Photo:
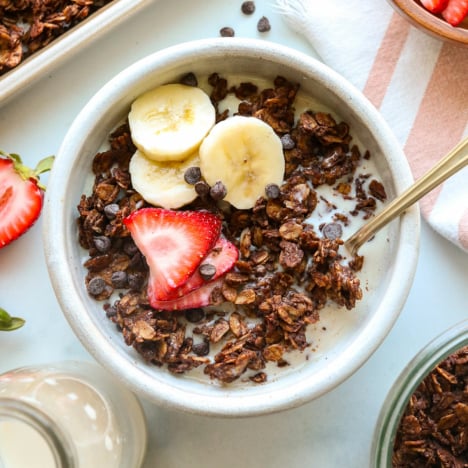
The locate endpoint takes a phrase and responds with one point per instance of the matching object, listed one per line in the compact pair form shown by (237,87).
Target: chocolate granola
(27,26)
(287,271)
(433,431)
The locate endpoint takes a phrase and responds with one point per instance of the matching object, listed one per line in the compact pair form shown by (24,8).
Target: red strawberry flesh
(200,297)
(20,202)
(455,12)
(434,6)
(223,256)
(173,243)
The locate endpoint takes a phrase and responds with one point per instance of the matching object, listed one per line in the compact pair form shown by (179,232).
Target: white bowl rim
(124,368)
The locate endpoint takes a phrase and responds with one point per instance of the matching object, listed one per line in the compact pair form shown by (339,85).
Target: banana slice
(169,122)
(162,183)
(246,155)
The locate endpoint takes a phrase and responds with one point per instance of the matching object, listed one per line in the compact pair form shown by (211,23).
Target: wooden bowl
(431,23)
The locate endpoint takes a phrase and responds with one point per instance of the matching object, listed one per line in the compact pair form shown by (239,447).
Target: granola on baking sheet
(27,26)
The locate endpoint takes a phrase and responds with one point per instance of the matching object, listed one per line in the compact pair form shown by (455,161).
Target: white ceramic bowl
(352,335)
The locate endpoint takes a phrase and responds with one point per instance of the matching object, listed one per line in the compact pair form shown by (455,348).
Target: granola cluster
(288,269)
(433,431)
(27,26)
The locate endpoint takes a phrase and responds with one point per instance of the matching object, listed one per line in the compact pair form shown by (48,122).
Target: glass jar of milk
(69,415)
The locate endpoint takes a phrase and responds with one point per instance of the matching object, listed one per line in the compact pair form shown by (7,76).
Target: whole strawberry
(21,195)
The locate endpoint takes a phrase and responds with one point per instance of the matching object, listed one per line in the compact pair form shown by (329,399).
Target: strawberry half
(201,297)
(173,243)
(434,6)
(223,256)
(21,195)
(455,12)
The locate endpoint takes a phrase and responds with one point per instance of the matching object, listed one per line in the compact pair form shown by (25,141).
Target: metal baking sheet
(62,48)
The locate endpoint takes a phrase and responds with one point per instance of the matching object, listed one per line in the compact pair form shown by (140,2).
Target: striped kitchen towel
(418,83)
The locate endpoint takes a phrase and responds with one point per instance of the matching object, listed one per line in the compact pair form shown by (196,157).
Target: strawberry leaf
(9,323)
(44,165)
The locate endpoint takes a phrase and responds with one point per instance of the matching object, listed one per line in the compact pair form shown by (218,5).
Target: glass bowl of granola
(194,225)
(424,417)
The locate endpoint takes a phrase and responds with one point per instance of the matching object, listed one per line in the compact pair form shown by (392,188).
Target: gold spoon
(455,160)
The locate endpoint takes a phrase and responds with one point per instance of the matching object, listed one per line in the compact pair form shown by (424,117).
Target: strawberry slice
(200,297)
(173,243)
(455,12)
(21,195)
(223,256)
(434,6)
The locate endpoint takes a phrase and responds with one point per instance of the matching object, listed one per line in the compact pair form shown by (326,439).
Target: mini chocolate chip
(248,7)
(189,79)
(111,311)
(96,286)
(207,271)
(202,188)
(332,231)
(137,261)
(111,210)
(192,175)
(263,24)
(135,281)
(272,191)
(218,191)
(201,349)
(194,315)
(227,32)
(119,279)
(130,248)
(287,142)
(102,243)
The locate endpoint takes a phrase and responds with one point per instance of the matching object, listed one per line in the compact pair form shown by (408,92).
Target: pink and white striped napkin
(418,83)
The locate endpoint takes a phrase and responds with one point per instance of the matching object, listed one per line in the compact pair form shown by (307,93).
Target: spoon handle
(455,160)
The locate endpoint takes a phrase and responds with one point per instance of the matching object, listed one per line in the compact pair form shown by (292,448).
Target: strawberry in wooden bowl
(443,19)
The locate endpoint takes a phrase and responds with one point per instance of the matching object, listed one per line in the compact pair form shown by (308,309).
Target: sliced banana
(169,122)
(246,155)
(162,183)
